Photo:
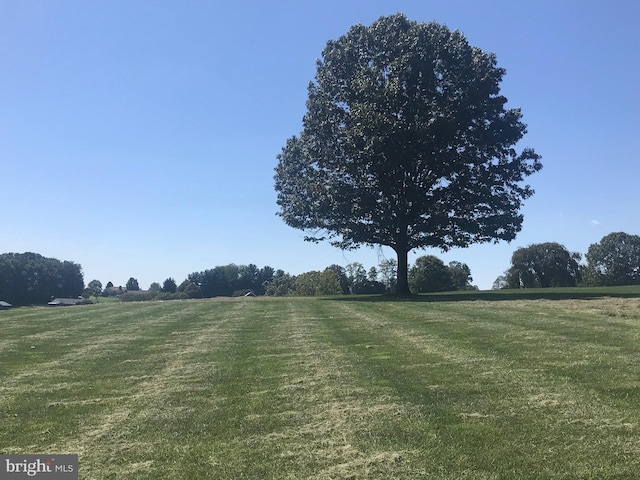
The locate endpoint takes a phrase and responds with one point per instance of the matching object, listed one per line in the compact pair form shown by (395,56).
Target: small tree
(460,275)
(169,286)
(94,288)
(357,276)
(372,274)
(132,284)
(387,269)
(500,283)
(342,275)
(155,287)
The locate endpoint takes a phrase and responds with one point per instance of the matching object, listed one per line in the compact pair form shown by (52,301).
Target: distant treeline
(29,278)
(613,261)
(238,280)
(429,274)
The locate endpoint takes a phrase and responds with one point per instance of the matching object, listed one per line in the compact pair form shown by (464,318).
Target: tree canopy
(94,287)
(543,265)
(224,280)
(406,143)
(430,274)
(169,286)
(615,260)
(29,278)
(326,282)
(132,284)
(460,275)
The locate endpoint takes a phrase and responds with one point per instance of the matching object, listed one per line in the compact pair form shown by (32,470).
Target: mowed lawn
(442,387)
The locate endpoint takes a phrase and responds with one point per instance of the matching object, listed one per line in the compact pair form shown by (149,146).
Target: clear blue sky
(139,138)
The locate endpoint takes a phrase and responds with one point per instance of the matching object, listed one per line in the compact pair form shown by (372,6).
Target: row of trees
(428,274)
(29,278)
(615,260)
(228,280)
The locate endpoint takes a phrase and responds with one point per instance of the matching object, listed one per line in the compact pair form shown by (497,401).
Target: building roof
(65,301)
(5,304)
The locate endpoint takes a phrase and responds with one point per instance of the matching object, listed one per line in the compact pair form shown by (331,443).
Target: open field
(545,386)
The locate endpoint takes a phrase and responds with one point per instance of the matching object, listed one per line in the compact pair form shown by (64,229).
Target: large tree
(615,260)
(406,143)
(543,265)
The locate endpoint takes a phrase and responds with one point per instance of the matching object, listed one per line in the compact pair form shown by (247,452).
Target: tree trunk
(402,287)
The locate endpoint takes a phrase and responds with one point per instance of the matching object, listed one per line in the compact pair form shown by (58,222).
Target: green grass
(491,385)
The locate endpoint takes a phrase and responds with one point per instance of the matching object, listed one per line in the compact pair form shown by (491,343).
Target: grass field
(473,386)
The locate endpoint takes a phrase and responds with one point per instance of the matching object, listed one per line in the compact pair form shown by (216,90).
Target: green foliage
(407,143)
(222,281)
(70,278)
(169,286)
(327,282)
(430,274)
(342,275)
(132,285)
(282,284)
(500,283)
(543,265)
(193,291)
(361,282)
(317,283)
(155,287)
(138,296)
(94,288)
(460,275)
(172,296)
(29,278)
(387,270)
(111,291)
(615,260)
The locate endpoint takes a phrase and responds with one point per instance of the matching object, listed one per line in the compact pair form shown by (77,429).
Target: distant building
(113,291)
(136,292)
(5,305)
(65,302)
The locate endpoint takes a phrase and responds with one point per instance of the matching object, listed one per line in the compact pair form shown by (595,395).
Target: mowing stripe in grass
(296,416)
(147,433)
(469,380)
(327,388)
